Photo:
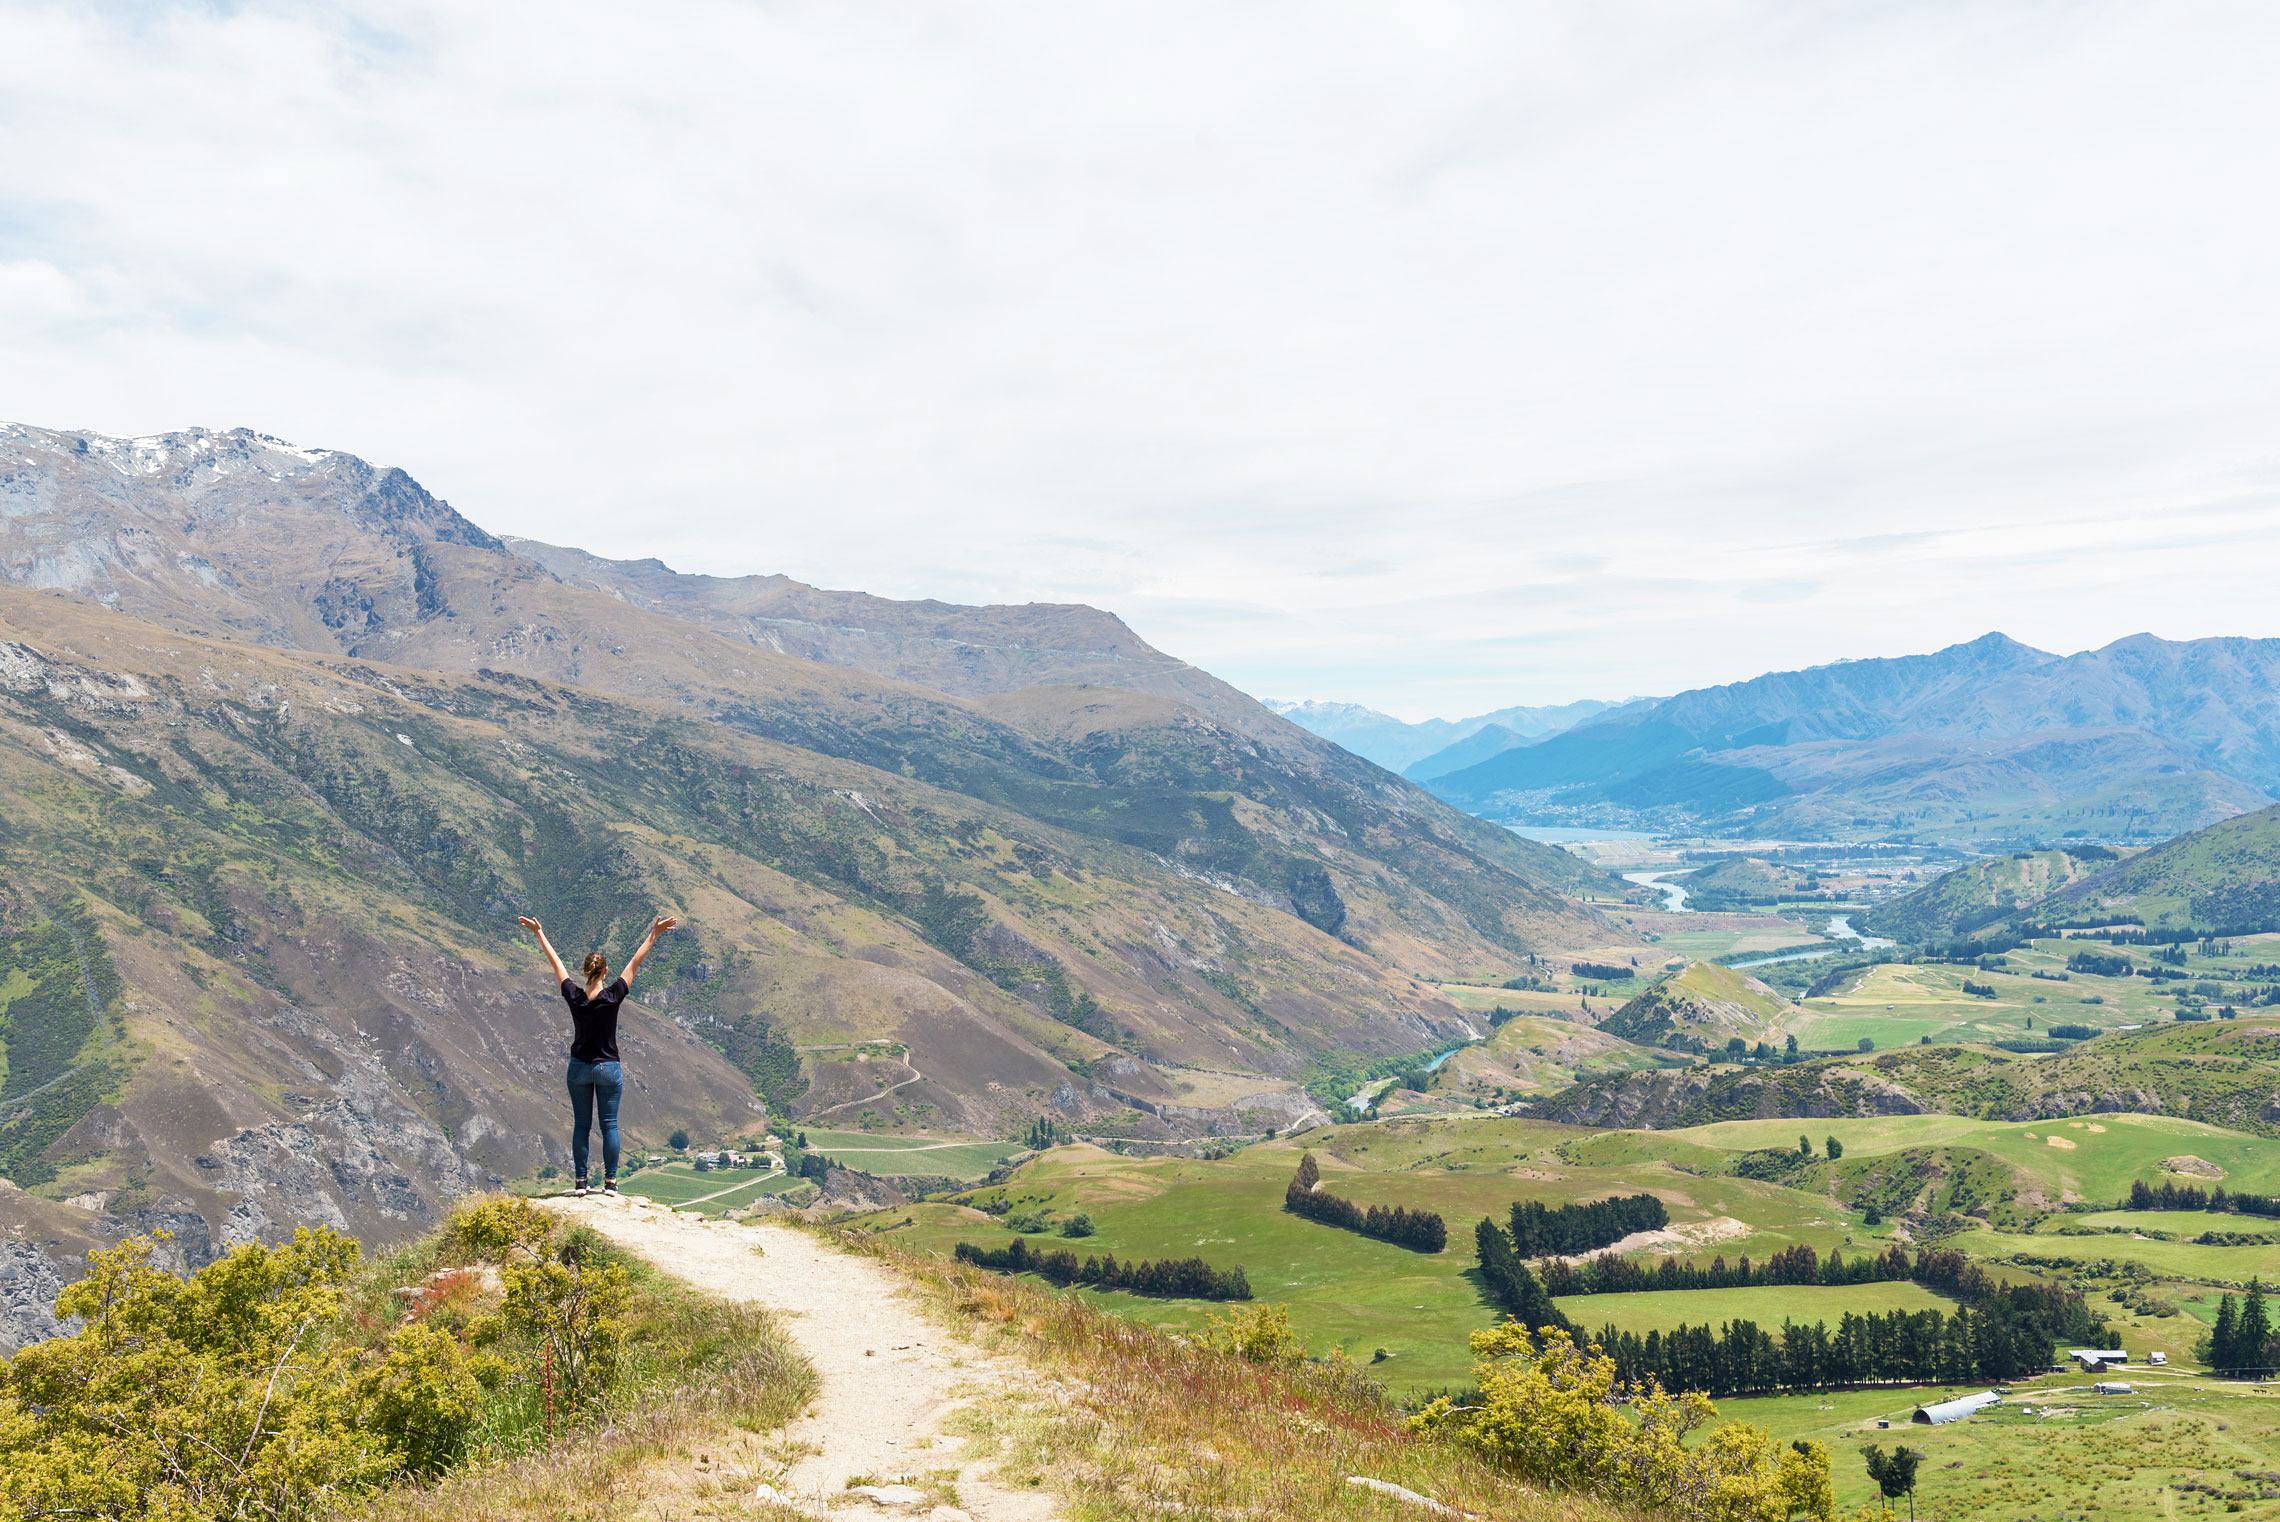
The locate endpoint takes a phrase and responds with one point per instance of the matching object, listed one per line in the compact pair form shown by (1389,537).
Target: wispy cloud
(1438,356)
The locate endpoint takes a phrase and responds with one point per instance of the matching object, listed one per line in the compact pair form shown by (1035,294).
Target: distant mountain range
(286,742)
(1989,743)
(1426,750)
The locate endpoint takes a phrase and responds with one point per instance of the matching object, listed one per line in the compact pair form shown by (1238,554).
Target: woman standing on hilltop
(597,1079)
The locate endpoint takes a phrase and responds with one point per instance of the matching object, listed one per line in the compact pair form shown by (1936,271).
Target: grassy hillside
(1982,893)
(1701,1008)
(2223,880)
(1740,882)
(1538,1054)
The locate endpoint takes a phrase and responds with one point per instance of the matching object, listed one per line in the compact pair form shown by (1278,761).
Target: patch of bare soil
(1685,1236)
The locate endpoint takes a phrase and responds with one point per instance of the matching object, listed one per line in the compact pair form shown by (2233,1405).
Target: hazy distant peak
(1313,711)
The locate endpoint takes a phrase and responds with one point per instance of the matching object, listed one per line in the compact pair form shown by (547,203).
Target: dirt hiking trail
(888,1376)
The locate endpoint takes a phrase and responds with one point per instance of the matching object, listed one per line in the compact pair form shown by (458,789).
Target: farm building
(1954,1410)
(2098,1360)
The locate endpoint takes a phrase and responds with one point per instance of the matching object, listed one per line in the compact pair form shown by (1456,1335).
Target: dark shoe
(609,1187)
(581,1191)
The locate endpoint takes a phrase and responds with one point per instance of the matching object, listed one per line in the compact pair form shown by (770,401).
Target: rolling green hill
(2222,880)
(1983,893)
(1741,882)
(1539,1054)
(1701,1008)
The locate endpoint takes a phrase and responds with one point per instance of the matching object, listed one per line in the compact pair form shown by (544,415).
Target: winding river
(1674,896)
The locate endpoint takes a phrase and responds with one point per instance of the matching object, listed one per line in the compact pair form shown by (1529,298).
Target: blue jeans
(592,1083)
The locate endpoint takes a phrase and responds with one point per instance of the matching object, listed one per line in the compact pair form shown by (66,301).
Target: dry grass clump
(1131,1422)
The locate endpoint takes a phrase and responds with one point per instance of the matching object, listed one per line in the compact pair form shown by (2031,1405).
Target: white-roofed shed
(1954,1410)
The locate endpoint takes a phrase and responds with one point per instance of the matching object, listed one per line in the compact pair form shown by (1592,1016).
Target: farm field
(2180,1223)
(2112,1458)
(1737,934)
(874,1152)
(1345,1289)
(1769,1305)
(2094,1156)
(2178,1260)
(1895,1004)
(1350,1291)
(677,1184)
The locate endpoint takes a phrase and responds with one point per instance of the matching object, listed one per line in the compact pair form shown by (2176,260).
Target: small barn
(1954,1410)
(2098,1360)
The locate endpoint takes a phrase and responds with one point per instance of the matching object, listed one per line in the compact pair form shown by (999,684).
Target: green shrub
(1079,1225)
(1030,1221)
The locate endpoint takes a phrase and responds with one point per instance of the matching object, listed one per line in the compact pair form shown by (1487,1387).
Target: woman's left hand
(664,923)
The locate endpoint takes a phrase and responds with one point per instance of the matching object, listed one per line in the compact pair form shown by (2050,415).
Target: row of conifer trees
(1614,1274)
(2172,1195)
(1181,1278)
(1420,1230)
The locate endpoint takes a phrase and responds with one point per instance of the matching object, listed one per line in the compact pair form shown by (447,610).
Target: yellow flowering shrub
(1553,1413)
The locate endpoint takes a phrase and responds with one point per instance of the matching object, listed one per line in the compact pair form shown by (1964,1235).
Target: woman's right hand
(526,922)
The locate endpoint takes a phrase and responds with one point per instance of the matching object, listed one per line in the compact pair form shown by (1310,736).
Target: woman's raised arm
(561,973)
(664,923)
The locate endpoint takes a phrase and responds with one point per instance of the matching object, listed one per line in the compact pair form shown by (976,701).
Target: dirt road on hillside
(889,1376)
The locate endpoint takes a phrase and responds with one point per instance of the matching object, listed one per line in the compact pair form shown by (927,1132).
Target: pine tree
(1308,1174)
(2224,1337)
(2255,1330)
(1895,1475)
(1804,1146)
(1836,1149)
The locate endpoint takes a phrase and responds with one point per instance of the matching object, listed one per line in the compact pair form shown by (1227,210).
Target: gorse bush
(282,1383)
(1260,1334)
(1556,1414)
(229,1395)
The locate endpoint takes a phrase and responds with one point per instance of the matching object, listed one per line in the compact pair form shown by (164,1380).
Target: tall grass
(1133,1423)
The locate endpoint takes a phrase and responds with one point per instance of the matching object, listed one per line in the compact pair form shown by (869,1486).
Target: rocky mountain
(2226,1074)
(287,742)
(1426,749)
(966,651)
(1981,743)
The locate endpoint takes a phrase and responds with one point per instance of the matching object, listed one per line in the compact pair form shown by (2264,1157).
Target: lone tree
(1804,1146)
(1894,1473)
(1836,1149)
(678,1141)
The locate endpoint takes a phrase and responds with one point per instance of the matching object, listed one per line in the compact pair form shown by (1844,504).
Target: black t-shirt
(594,1020)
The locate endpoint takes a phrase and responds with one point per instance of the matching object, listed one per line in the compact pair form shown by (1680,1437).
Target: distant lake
(1560,834)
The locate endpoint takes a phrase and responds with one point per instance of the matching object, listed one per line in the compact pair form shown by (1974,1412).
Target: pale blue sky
(1435,357)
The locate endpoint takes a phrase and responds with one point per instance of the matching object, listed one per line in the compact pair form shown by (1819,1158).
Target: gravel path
(888,1375)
